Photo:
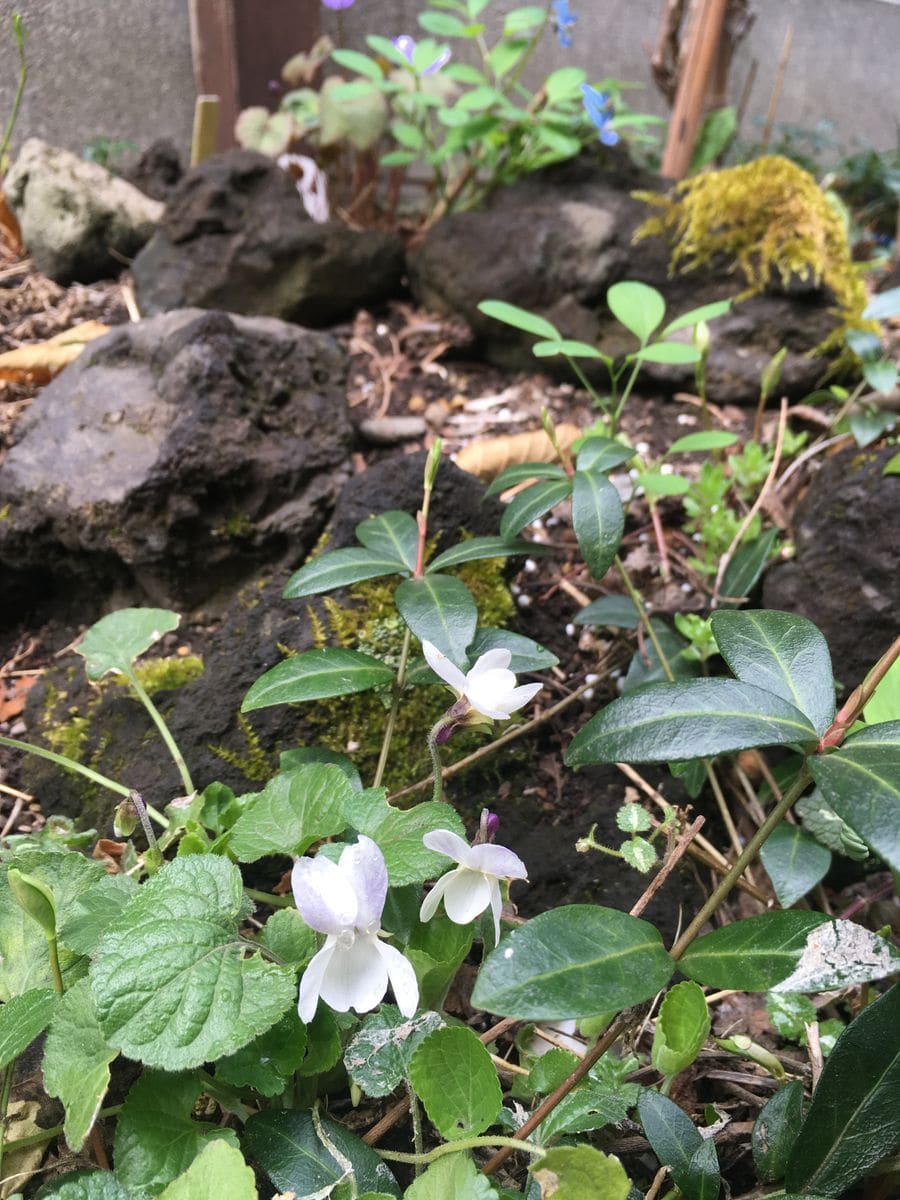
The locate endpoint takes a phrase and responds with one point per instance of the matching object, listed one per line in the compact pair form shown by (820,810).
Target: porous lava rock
(236,236)
(175,456)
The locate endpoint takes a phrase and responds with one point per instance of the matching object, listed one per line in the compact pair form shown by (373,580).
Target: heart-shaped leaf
(115,641)
(294,809)
(455,1079)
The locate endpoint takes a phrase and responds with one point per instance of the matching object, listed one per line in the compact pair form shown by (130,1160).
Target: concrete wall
(122,68)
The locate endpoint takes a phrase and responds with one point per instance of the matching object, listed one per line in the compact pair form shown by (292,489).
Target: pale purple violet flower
(599,109)
(475,883)
(345,900)
(407,47)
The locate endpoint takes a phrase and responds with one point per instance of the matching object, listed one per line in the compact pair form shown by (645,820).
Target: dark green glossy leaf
(598,518)
(317,675)
(854,1118)
(749,562)
(677,1144)
(527,655)
(751,955)
(775,1131)
(795,862)
(531,503)
(602,454)
(484,547)
(439,609)
(340,568)
(522,472)
(575,961)
(861,782)
(286,1145)
(617,611)
(694,718)
(392,534)
(519,318)
(455,1079)
(781,653)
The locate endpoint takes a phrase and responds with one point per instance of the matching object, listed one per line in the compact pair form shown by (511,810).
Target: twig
(754,508)
(678,852)
(10,821)
(776,87)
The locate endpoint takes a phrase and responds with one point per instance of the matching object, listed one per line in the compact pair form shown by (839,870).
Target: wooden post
(697,63)
(238,46)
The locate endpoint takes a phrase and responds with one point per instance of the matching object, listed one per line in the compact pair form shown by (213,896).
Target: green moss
(166,674)
(255,763)
(235,525)
(767,217)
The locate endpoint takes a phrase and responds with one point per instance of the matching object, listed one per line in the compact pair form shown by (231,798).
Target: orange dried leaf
(10,233)
(41,361)
(488,458)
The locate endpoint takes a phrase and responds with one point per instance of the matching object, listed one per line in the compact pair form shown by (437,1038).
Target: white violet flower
(488,689)
(475,883)
(345,900)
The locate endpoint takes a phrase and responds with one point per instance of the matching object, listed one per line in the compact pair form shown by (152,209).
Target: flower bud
(34,898)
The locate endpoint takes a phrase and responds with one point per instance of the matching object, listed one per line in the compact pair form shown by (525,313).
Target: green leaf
(286,1145)
(519,473)
(677,1144)
(386,48)
(694,718)
(399,834)
(442,24)
(775,1131)
(85,1185)
(436,948)
(392,534)
(455,1079)
(378,1056)
(340,568)
(439,609)
(504,56)
(868,424)
(483,547)
(749,562)
(531,503)
(646,666)
(839,954)
(302,756)
(598,519)
(94,911)
(892,466)
(171,982)
(288,936)
(317,675)
(716,132)
(782,653)
(709,439)
(269,1061)
(21,1020)
(854,1118)
(360,63)
(861,782)
(637,306)
(453,1177)
(602,454)
(681,1028)
(658,484)
(640,854)
(881,375)
(519,318)
(574,961)
(795,862)
(633,818)
(616,611)
(76,1062)
(751,955)
(156,1139)
(581,1173)
(527,655)
(293,810)
(114,642)
(568,347)
(591,1105)
(706,312)
(884,305)
(34,898)
(668,352)
(564,84)
(885,704)
(323,1044)
(217,1173)
(522,20)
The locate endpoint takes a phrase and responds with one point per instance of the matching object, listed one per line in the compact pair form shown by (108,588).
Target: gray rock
(175,456)
(564,236)
(157,171)
(235,236)
(79,222)
(845,575)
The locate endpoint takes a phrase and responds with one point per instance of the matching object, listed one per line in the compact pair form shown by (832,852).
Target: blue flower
(598,108)
(407,47)
(564,19)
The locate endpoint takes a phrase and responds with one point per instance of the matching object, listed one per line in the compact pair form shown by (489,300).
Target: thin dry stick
(745,524)
(776,87)
(10,821)
(678,851)
(725,812)
(656,1186)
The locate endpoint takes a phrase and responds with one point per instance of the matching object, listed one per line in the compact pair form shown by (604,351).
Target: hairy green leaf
(455,1079)
(294,809)
(21,1020)
(76,1062)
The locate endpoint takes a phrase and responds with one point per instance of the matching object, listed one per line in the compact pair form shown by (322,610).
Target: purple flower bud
(338,4)
(491,824)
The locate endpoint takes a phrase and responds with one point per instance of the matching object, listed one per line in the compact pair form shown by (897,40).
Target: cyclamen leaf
(22,1018)
(76,1062)
(156,1138)
(294,809)
(598,518)
(439,609)
(115,641)
(317,675)
(694,718)
(171,985)
(455,1079)
(217,1173)
(781,653)
(752,955)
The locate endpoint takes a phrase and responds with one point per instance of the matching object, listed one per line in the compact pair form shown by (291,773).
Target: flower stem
(268,898)
(473,1143)
(438,789)
(399,683)
(53,950)
(415,1112)
(164,733)
(68,763)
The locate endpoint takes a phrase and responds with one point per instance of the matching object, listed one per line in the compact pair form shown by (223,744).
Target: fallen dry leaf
(19,1165)
(38,363)
(10,234)
(13,704)
(488,458)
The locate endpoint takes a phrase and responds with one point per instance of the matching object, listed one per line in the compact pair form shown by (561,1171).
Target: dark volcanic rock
(562,237)
(176,456)
(236,236)
(157,171)
(846,573)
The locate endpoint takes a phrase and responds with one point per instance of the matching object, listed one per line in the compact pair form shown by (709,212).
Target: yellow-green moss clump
(769,217)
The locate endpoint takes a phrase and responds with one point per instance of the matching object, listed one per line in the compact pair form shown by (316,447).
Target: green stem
(19,34)
(473,1143)
(68,763)
(164,733)
(268,898)
(58,985)
(588,387)
(4,1104)
(438,789)
(399,683)
(623,399)
(743,860)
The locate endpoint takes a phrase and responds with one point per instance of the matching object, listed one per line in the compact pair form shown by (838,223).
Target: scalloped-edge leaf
(452,1073)
(317,675)
(22,1019)
(76,1062)
(294,809)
